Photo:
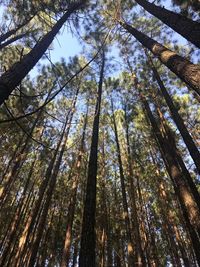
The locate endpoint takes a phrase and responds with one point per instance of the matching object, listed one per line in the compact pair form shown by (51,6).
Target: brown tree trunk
(51,187)
(72,204)
(104,223)
(140,258)
(166,131)
(18,146)
(186,200)
(88,236)
(184,69)
(17,218)
(124,197)
(186,27)
(13,77)
(10,177)
(177,119)
(163,199)
(23,242)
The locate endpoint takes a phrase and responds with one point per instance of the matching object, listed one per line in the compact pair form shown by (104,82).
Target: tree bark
(188,28)
(17,218)
(51,187)
(183,68)
(177,119)
(23,242)
(168,136)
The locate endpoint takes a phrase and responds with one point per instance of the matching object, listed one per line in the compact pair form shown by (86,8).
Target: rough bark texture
(183,68)
(186,27)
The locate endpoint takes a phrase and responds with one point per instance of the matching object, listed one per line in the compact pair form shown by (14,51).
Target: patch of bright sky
(66,45)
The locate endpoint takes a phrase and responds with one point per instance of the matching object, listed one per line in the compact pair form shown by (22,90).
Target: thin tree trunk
(22,154)
(17,218)
(8,165)
(72,204)
(142,222)
(32,217)
(184,69)
(163,199)
(140,258)
(124,197)
(186,27)
(13,77)
(50,189)
(88,237)
(104,226)
(177,119)
(6,35)
(14,39)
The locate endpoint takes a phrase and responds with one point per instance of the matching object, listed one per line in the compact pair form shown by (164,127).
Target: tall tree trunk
(11,176)
(186,200)
(72,204)
(142,221)
(13,77)
(18,146)
(50,189)
(163,200)
(124,197)
(17,218)
(140,258)
(88,236)
(186,27)
(167,134)
(104,223)
(23,242)
(184,69)
(177,119)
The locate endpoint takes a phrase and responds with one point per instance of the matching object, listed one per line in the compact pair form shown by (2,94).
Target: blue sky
(66,45)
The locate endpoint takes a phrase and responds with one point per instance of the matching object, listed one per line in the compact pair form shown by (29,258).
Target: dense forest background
(99,159)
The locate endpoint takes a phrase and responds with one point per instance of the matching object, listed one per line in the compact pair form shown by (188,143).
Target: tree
(95,177)
(88,240)
(184,26)
(184,69)
(13,77)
